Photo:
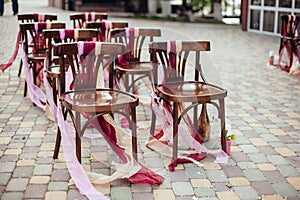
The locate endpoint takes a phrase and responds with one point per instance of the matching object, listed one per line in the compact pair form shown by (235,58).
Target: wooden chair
(289,39)
(86,97)
(105,27)
(135,42)
(30,18)
(79,19)
(56,36)
(177,89)
(35,45)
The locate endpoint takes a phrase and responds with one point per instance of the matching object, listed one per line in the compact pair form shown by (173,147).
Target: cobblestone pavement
(262,107)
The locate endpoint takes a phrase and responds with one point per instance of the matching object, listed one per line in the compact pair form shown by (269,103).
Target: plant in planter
(229,137)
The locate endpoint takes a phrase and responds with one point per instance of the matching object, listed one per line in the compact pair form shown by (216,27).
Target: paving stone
(195,172)
(74,194)
(263,188)
(247,148)
(103,188)
(254,175)
(163,194)
(227,195)
(247,165)
(24,163)
(216,175)
(239,157)
(277,160)
(17,184)
(60,175)
(12,195)
(295,182)
(56,195)
(204,192)
(7,166)
(116,191)
(285,189)
(178,175)
(182,188)
(200,183)
(55,186)
(42,170)
(39,180)
(287,170)
(4,178)
(284,151)
(137,188)
(233,171)
(24,172)
(266,167)
(274,176)
(258,158)
(238,181)
(246,192)
(272,197)
(267,150)
(35,191)
(144,196)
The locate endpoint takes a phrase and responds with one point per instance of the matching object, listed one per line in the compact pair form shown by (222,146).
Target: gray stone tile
(12,195)
(41,170)
(263,188)
(74,194)
(258,158)
(287,170)
(22,172)
(233,171)
(216,175)
(141,188)
(7,166)
(144,196)
(285,190)
(274,176)
(248,148)
(277,160)
(195,172)
(17,184)
(178,175)
(182,188)
(35,191)
(4,178)
(204,192)
(246,192)
(254,175)
(247,165)
(116,191)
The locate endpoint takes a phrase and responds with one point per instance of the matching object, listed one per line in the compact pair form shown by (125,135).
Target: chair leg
(25,89)
(153,122)
(134,135)
(57,144)
(195,119)
(175,134)
(222,117)
(20,68)
(78,139)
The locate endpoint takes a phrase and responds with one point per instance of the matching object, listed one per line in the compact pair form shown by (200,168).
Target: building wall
(264,15)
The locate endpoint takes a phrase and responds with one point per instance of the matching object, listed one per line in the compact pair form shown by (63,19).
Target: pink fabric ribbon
(5,66)
(66,34)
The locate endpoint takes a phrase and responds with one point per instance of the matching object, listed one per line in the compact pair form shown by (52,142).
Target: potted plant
(229,137)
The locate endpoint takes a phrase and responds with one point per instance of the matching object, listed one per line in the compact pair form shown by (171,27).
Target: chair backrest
(86,60)
(289,25)
(174,57)
(79,19)
(33,34)
(54,36)
(105,27)
(36,17)
(134,40)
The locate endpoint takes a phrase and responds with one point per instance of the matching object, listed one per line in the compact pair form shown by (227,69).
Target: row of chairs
(62,53)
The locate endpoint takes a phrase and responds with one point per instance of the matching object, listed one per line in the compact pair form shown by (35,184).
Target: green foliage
(198,5)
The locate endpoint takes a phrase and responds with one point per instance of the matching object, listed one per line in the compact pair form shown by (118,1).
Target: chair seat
(37,56)
(99,100)
(136,68)
(53,71)
(190,91)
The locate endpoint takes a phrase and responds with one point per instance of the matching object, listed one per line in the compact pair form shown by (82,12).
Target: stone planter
(152,6)
(166,8)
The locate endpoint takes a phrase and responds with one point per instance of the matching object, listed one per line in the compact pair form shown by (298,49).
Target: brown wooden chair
(55,36)
(136,42)
(289,40)
(85,96)
(79,19)
(105,27)
(178,89)
(30,18)
(35,45)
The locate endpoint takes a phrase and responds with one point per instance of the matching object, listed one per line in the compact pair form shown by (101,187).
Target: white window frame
(276,9)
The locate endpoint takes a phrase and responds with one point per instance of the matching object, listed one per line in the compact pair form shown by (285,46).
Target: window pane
(255,2)
(269,2)
(297,4)
(268,21)
(285,3)
(254,19)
